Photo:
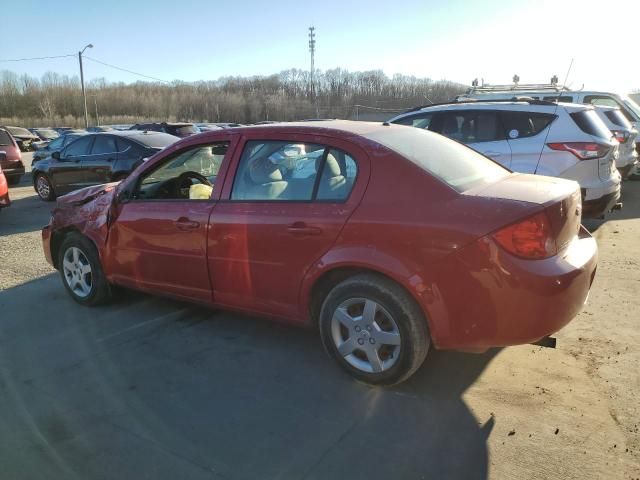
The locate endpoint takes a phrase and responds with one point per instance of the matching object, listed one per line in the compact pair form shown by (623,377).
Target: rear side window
(458,166)
(5,139)
(422,120)
(79,147)
(472,126)
(617,118)
(525,124)
(589,122)
(287,171)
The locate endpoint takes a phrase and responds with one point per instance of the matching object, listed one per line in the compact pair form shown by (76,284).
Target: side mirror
(55,155)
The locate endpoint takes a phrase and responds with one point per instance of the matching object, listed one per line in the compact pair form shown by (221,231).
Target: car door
(98,163)
(158,240)
(283,208)
(66,173)
(526,132)
(478,129)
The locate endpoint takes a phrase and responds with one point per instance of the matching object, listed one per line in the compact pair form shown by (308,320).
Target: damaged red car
(390,240)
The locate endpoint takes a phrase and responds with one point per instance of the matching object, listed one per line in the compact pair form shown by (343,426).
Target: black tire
(395,302)
(100,290)
(47,195)
(13,181)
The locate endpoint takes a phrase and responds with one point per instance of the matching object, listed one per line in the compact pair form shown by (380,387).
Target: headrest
(331,168)
(262,170)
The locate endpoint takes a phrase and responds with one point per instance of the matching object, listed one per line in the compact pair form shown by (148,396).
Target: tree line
(56,99)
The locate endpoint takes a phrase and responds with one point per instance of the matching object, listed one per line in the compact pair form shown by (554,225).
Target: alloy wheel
(366,335)
(43,188)
(77,272)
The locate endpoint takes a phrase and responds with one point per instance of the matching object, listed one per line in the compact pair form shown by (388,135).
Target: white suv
(559,140)
(554,92)
(626,136)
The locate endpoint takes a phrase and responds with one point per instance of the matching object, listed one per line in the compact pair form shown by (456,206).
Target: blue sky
(452,39)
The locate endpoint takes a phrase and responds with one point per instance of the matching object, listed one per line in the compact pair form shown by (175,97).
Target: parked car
(63,130)
(22,136)
(11,161)
(205,127)
(5,201)
(45,134)
(626,136)
(100,128)
(554,92)
(376,246)
(560,140)
(54,146)
(95,158)
(121,126)
(177,129)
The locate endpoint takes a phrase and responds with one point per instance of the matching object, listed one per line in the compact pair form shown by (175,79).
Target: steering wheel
(184,182)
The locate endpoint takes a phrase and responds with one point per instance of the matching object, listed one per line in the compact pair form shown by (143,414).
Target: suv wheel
(374,329)
(81,271)
(44,189)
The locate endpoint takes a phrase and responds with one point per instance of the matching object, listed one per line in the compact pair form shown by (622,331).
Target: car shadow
(197,393)
(26,214)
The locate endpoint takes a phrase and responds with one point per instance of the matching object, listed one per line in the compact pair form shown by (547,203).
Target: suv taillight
(582,150)
(529,238)
(621,136)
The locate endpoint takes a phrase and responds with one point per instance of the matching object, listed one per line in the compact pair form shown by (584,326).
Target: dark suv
(95,158)
(177,129)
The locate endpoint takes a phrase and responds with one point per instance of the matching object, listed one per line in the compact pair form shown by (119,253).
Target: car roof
(328,127)
(499,105)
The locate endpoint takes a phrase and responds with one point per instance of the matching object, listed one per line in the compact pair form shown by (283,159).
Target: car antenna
(555,110)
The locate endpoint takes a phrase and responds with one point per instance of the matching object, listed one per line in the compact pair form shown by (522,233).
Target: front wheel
(44,189)
(81,271)
(374,329)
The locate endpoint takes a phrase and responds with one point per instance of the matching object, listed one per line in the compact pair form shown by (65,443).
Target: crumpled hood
(85,195)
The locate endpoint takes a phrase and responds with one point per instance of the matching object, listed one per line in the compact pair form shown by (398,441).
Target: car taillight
(529,238)
(621,137)
(582,150)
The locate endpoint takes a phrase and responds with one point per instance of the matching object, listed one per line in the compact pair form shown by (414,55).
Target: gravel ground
(520,412)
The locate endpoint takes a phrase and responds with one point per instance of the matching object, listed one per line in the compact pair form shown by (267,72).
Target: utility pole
(84,96)
(312,50)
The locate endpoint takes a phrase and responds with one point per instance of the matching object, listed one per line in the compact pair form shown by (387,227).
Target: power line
(125,70)
(36,58)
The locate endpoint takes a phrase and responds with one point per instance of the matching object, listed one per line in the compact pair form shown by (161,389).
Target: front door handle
(184,224)
(301,228)
(493,154)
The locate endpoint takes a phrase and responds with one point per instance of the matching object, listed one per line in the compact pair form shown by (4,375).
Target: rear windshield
(5,139)
(617,118)
(590,123)
(187,130)
(455,164)
(155,140)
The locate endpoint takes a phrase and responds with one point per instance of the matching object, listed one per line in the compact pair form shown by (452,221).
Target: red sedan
(390,239)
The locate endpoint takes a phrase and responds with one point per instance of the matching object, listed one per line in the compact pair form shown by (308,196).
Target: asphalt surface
(152,388)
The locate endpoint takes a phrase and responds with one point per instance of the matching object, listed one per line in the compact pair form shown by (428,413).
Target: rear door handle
(184,224)
(301,228)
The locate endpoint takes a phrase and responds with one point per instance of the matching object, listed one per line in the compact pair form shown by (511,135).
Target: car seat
(265,181)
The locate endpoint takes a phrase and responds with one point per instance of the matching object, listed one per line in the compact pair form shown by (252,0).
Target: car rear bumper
(598,207)
(627,169)
(493,299)
(46,244)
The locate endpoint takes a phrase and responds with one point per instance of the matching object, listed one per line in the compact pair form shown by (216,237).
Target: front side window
(422,120)
(56,144)
(5,139)
(472,126)
(287,171)
(188,175)
(79,147)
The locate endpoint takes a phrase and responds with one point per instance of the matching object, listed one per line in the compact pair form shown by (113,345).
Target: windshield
(633,106)
(455,164)
(48,134)
(20,132)
(187,130)
(5,139)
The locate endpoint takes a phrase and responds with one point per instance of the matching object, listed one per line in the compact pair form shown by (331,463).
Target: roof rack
(555,87)
(530,101)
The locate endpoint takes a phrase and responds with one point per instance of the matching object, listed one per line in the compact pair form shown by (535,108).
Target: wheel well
(56,241)
(330,279)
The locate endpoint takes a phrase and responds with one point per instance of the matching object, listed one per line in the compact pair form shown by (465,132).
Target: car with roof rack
(557,92)
(534,136)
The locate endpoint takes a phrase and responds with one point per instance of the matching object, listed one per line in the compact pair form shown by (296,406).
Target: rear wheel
(82,272)
(44,189)
(374,329)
